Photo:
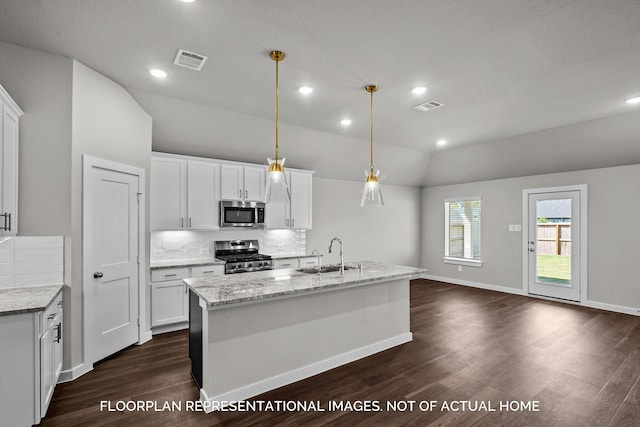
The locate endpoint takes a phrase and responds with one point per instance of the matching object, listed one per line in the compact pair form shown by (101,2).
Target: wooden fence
(554,238)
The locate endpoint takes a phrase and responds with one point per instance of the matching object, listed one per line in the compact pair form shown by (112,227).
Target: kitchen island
(254,332)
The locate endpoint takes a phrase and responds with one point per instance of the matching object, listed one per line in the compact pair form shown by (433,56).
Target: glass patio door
(553,244)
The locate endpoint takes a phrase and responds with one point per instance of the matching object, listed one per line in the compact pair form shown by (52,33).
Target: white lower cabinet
(170,296)
(31,365)
(285,263)
(308,262)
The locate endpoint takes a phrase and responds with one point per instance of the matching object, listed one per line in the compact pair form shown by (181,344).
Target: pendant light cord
(277,111)
(371,133)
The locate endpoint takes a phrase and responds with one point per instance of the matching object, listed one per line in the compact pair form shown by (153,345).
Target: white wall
(388,234)
(69,110)
(612,231)
(108,124)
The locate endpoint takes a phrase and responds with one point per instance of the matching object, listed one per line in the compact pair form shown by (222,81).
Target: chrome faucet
(317,252)
(341,257)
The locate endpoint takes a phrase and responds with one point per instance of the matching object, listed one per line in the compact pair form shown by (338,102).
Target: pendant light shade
(277,188)
(371,194)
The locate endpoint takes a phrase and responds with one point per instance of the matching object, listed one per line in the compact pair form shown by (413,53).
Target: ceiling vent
(192,60)
(428,106)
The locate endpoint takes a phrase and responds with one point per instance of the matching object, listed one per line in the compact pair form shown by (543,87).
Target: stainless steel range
(241,256)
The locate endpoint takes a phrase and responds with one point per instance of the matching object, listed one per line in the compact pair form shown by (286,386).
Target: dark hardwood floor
(582,366)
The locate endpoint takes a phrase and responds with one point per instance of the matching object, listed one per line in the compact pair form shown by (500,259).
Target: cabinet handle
(293,221)
(170,275)
(240,194)
(210,271)
(246,194)
(7,222)
(286,221)
(59,332)
(181,222)
(286,265)
(189,222)
(185,289)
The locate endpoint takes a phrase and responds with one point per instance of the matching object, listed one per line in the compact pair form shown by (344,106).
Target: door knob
(97,275)
(532,250)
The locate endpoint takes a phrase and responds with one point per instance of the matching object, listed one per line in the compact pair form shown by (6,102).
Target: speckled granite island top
(27,299)
(261,285)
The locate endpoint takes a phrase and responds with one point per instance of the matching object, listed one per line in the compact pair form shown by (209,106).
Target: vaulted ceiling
(501,68)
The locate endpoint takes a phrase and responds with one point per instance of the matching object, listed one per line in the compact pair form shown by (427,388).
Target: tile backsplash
(31,261)
(177,245)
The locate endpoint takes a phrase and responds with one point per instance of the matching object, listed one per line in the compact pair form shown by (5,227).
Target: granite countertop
(210,261)
(291,256)
(27,299)
(193,262)
(250,287)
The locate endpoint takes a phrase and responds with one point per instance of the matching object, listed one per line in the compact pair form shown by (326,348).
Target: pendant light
(371,194)
(277,188)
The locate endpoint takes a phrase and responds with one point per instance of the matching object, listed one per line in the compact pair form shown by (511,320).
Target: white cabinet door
(231,182)
(46,369)
(254,181)
(168,193)
(9,165)
(301,194)
(276,215)
(170,303)
(202,202)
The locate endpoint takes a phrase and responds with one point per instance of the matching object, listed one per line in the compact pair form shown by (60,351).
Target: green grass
(554,268)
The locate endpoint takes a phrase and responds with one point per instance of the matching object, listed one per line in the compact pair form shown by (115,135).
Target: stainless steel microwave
(234,213)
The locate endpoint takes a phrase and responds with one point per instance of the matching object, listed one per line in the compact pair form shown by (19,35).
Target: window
(462,231)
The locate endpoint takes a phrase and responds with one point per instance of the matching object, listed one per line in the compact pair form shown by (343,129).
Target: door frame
(89,163)
(583,190)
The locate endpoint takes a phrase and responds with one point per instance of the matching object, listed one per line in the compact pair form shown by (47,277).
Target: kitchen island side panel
(253,348)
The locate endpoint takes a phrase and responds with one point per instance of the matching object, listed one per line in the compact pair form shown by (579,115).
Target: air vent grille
(192,60)
(429,105)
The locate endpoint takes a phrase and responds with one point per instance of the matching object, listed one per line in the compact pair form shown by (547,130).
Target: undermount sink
(323,269)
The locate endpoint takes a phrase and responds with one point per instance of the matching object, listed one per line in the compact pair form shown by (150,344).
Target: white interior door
(111,256)
(553,244)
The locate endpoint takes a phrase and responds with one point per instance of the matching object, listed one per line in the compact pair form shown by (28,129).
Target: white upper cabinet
(184,194)
(300,184)
(168,193)
(202,203)
(240,182)
(298,213)
(9,163)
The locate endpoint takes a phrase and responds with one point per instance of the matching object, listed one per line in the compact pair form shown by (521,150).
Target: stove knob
(249,265)
(260,264)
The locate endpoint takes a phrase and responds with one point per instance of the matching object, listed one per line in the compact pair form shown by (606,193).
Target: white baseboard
(146,336)
(307,371)
(590,304)
(475,284)
(169,328)
(74,373)
(612,307)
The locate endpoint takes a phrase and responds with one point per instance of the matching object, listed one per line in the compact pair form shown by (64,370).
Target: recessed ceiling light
(158,73)
(441,142)
(187,1)
(634,100)
(419,90)
(305,90)
(345,122)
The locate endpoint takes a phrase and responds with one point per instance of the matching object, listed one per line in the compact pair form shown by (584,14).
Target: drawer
(308,262)
(164,274)
(52,313)
(285,263)
(207,270)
